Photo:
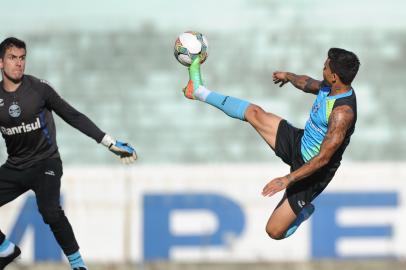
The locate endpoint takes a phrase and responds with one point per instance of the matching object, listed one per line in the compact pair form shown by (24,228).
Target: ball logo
(14,110)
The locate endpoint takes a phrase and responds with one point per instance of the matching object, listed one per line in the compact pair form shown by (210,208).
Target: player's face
(13,63)
(328,75)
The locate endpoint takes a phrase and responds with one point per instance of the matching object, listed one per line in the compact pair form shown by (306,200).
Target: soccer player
(33,163)
(313,153)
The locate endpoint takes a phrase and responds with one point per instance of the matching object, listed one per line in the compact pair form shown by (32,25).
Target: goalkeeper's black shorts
(44,178)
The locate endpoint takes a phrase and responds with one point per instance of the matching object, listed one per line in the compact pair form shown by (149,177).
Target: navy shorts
(288,148)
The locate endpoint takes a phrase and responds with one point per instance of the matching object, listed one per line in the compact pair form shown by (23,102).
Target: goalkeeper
(33,163)
(313,153)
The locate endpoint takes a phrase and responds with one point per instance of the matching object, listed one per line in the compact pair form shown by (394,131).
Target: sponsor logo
(14,110)
(47,83)
(313,126)
(50,172)
(23,128)
(1,102)
(301,203)
(224,101)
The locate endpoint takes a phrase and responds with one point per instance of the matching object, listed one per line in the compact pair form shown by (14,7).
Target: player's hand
(275,186)
(125,151)
(280,77)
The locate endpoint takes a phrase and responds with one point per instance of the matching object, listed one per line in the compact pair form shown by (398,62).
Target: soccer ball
(188,45)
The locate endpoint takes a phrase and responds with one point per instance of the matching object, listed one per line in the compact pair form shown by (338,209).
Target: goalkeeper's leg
(8,251)
(265,123)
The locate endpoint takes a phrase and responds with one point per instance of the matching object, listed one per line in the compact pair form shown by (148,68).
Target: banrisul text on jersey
(23,128)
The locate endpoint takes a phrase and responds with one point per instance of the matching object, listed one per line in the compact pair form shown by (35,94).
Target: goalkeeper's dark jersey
(27,124)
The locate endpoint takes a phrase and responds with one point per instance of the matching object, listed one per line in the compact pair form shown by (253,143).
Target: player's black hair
(11,42)
(343,63)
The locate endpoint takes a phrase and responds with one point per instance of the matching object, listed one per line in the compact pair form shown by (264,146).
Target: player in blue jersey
(313,153)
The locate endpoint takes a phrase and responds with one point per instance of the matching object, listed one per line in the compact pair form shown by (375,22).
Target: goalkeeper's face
(13,64)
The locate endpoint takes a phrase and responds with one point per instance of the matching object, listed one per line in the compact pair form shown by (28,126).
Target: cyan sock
(6,248)
(306,212)
(76,260)
(231,106)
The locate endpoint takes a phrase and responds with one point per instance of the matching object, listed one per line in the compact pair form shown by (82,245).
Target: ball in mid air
(189,45)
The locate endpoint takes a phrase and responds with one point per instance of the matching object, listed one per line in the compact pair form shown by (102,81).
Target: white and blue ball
(190,44)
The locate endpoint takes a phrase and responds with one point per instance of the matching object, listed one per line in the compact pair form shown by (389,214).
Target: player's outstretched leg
(195,81)
(8,253)
(195,89)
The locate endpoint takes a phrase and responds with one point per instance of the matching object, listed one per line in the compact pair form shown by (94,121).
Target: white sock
(201,93)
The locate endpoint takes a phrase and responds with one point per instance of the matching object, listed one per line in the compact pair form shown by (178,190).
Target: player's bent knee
(275,234)
(254,114)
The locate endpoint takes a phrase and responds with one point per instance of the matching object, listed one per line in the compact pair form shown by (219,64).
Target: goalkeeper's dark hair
(11,42)
(343,63)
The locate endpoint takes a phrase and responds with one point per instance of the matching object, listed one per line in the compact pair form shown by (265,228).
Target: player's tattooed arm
(302,82)
(312,86)
(340,121)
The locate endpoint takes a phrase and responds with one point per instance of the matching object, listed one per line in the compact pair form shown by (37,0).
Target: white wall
(105,207)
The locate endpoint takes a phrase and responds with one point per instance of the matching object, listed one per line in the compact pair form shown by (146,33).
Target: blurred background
(114,62)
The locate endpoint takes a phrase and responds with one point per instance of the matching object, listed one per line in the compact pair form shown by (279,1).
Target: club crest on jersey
(14,110)
(316,107)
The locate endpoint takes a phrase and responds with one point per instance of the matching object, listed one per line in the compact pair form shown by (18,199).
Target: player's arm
(302,82)
(81,122)
(340,121)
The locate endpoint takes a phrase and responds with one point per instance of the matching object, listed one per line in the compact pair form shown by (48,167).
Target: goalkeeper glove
(125,151)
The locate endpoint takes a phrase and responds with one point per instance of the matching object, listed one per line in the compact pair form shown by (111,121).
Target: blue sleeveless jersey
(317,125)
